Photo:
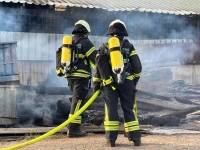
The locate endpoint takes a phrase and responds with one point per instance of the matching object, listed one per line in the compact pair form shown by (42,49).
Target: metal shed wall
(36,52)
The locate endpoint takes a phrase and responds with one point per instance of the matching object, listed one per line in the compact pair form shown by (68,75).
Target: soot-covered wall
(17,17)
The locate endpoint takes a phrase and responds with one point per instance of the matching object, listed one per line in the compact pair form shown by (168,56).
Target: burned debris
(167,108)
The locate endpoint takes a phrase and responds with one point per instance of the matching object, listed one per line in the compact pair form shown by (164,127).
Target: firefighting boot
(110,143)
(126,134)
(137,142)
(74,131)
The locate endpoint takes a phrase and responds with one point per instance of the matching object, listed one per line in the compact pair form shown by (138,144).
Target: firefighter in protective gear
(79,78)
(111,89)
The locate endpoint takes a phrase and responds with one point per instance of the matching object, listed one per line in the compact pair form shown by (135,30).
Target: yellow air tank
(116,57)
(66,51)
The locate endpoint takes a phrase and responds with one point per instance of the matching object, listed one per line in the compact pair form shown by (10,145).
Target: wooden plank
(40,77)
(45,70)
(8,121)
(19,68)
(25,77)
(33,66)
(40,130)
(8,106)
(33,78)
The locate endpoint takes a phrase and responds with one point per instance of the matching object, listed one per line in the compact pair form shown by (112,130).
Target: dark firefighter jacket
(103,73)
(84,57)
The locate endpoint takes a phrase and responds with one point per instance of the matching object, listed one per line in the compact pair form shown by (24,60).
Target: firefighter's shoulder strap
(74,55)
(75,49)
(124,53)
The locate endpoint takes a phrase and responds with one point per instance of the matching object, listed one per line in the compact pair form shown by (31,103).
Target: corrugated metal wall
(39,46)
(33,46)
(36,52)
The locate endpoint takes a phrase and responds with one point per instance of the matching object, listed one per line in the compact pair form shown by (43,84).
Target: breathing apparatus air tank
(116,57)
(66,52)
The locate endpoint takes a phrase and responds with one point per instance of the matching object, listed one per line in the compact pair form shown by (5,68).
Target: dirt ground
(97,142)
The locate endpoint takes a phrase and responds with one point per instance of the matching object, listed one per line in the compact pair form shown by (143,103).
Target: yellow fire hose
(51,132)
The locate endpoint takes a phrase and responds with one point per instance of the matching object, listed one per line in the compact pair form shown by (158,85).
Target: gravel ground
(97,142)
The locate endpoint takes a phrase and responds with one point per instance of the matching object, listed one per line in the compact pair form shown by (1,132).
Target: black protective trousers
(125,93)
(79,88)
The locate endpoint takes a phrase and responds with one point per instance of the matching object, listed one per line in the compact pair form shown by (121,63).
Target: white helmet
(81,27)
(117,27)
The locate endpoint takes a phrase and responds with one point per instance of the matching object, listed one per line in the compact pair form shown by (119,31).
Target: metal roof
(182,7)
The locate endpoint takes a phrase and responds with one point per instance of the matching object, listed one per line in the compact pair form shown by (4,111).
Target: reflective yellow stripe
(79,117)
(78,75)
(77,120)
(106,113)
(137,74)
(80,56)
(113,87)
(111,125)
(91,64)
(108,81)
(77,106)
(135,108)
(115,128)
(133,52)
(83,71)
(94,79)
(131,77)
(133,128)
(131,123)
(90,51)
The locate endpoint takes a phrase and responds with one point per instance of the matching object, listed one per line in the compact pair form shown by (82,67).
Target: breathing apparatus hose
(51,132)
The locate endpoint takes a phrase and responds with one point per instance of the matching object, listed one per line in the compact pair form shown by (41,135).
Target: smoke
(165,37)
(10,20)
(159,26)
(168,38)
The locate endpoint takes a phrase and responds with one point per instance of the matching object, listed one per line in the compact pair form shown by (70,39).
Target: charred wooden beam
(153,95)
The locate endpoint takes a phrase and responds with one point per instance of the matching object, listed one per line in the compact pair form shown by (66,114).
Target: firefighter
(116,86)
(79,78)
